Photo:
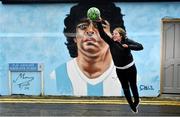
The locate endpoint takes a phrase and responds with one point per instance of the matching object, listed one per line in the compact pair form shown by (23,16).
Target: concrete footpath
(161,100)
(86,106)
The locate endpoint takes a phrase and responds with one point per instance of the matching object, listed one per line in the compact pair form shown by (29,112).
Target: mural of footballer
(91,72)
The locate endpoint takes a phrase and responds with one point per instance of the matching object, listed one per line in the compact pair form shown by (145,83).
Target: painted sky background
(33,33)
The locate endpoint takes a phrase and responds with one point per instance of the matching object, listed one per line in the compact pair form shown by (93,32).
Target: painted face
(116,36)
(88,40)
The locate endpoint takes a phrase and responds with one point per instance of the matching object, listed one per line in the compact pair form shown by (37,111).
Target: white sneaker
(138,103)
(134,109)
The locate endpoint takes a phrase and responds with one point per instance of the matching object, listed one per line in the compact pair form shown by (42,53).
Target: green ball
(93,13)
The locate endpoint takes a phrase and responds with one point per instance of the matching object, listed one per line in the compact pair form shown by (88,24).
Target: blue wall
(32,33)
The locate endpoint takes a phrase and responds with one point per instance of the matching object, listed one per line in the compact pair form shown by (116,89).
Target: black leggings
(128,80)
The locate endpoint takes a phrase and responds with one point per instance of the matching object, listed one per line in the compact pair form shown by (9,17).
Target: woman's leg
(125,85)
(133,84)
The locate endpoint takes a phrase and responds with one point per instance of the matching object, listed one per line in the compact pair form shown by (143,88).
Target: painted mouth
(90,43)
(90,40)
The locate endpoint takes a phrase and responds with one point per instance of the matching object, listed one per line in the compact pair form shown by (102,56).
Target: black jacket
(121,56)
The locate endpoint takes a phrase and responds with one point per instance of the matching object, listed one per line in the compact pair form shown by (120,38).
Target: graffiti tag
(146,87)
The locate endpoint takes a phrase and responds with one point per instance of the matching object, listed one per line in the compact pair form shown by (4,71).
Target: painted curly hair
(108,11)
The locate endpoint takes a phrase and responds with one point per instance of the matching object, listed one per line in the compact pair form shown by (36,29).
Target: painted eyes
(82,26)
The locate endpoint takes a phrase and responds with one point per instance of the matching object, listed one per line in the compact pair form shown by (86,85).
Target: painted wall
(32,33)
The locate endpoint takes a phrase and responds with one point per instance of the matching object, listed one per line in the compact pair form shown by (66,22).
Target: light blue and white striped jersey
(71,81)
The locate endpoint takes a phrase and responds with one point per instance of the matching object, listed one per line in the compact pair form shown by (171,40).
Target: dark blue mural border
(74,1)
